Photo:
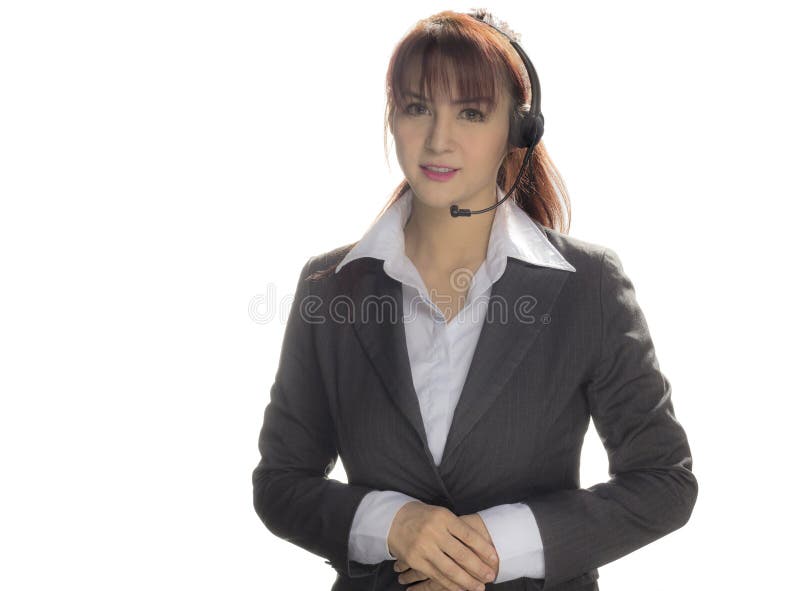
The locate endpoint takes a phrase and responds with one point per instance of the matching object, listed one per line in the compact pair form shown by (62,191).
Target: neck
(438,242)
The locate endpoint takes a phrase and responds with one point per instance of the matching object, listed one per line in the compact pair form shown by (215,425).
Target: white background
(167,167)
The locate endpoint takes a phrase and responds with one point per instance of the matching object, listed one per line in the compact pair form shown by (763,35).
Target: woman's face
(460,135)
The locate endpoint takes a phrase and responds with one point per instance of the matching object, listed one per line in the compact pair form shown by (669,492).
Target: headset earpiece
(526,130)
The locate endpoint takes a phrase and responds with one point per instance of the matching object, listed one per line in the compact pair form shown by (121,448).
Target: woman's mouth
(437,173)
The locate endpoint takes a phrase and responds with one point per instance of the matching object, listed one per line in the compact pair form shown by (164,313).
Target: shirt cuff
(516,537)
(369,534)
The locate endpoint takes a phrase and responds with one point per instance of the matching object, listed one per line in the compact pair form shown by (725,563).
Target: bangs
(449,62)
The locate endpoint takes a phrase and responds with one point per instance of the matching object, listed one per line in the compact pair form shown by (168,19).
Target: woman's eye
(471,114)
(412,108)
(478,115)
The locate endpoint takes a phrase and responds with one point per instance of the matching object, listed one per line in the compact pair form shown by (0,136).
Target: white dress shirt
(440,354)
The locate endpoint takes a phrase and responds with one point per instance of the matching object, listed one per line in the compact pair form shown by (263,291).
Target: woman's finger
(449,575)
(411,576)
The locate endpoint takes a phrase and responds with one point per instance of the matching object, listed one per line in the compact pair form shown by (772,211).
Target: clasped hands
(442,550)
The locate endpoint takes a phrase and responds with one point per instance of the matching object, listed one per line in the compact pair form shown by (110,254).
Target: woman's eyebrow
(476,99)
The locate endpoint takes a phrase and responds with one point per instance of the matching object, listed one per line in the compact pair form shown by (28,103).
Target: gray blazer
(556,348)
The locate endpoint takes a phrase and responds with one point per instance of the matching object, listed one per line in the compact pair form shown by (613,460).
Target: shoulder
(330,257)
(325,263)
(599,268)
(587,257)
(319,271)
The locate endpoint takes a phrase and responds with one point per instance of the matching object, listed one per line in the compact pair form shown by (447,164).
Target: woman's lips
(439,176)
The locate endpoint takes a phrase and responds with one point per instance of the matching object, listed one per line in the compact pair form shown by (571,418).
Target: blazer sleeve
(292,493)
(652,490)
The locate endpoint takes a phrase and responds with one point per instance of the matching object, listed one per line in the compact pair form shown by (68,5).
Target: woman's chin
(436,197)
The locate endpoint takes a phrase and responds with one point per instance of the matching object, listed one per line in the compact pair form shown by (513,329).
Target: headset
(526,130)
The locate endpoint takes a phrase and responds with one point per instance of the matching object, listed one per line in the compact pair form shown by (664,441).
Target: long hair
(484,63)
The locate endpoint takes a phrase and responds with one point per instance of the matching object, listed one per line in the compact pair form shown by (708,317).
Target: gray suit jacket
(556,348)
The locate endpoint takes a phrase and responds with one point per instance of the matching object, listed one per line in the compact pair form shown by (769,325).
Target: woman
(460,421)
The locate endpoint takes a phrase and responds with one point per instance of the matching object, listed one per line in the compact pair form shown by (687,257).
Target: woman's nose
(440,134)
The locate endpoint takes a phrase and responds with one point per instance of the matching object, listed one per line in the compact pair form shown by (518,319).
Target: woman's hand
(445,551)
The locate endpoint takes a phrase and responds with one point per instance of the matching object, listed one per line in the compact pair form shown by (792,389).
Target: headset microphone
(526,130)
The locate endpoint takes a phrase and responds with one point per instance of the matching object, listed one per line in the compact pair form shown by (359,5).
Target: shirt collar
(513,234)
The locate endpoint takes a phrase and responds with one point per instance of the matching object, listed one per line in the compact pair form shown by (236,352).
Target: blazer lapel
(518,309)
(378,323)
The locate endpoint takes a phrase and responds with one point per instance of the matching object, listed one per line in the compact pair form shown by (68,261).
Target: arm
(652,490)
(292,493)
